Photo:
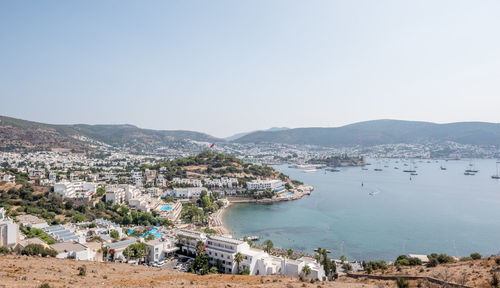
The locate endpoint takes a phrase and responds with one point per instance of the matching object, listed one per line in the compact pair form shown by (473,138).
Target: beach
(218,220)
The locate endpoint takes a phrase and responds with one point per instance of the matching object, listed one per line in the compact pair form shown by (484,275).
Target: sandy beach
(218,222)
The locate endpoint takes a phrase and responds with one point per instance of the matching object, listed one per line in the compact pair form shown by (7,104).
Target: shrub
(475,256)
(433,262)
(4,250)
(245,272)
(44,285)
(347,267)
(402,283)
(497,261)
(38,250)
(82,270)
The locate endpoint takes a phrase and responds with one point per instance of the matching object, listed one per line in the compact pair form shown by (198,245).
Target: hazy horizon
(224,67)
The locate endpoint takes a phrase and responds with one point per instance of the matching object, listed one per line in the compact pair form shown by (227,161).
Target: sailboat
(443,166)
(472,170)
(496,176)
(411,170)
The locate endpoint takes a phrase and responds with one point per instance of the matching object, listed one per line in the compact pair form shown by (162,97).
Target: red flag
(212,146)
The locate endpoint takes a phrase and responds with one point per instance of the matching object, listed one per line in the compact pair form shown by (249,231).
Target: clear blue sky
(223,67)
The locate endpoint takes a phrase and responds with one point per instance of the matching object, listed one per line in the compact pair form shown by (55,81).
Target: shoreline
(218,220)
(218,217)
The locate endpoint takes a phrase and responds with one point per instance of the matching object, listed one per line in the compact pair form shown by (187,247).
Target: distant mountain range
(17,135)
(377,132)
(239,135)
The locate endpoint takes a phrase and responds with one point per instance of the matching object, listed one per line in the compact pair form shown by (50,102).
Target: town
(137,210)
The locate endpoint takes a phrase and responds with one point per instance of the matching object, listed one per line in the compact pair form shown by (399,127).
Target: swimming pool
(165,208)
(151,232)
(288,194)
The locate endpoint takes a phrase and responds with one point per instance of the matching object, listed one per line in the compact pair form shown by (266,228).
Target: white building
(79,189)
(274,185)
(31,221)
(160,249)
(190,192)
(9,231)
(72,250)
(9,178)
(120,193)
(222,250)
(136,178)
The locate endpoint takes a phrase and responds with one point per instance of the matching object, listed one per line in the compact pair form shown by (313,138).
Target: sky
(223,67)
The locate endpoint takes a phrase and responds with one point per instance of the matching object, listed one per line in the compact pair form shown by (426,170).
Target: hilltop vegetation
(215,164)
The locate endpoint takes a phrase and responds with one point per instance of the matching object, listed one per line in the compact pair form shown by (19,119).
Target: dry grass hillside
(23,271)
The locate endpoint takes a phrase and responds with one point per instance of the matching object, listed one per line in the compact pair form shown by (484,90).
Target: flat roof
(225,239)
(68,246)
(121,243)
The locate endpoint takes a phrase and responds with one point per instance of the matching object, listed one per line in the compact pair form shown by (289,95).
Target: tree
(200,263)
(289,253)
(343,258)
(475,256)
(306,270)
(269,245)
(114,234)
(238,258)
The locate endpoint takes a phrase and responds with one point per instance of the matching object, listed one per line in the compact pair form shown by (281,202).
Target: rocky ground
(23,271)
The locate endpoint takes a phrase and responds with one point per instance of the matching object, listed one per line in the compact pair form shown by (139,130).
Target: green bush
(38,250)
(4,250)
(475,256)
(402,283)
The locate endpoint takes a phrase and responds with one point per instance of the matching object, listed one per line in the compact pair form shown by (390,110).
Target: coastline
(218,220)
(218,217)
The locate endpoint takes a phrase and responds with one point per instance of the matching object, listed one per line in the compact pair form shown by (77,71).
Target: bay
(389,215)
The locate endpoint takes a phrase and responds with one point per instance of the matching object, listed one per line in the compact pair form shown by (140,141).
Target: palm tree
(238,258)
(269,245)
(306,270)
(319,252)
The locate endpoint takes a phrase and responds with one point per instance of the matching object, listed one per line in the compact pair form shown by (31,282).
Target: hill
(379,132)
(23,271)
(239,135)
(17,134)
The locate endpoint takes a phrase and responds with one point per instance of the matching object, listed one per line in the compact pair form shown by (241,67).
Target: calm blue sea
(436,211)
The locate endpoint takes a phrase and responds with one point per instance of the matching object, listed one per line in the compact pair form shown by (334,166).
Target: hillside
(23,271)
(18,135)
(383,132)
(239,135)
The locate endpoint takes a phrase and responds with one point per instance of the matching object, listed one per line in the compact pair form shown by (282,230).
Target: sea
(378,215)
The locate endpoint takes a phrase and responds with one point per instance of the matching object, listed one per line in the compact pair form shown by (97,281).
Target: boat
(364,168)
(378,169)
(332,169)
(411,170)
(396,167)
(496,176)
(309,170)
(443,166)
(471,168)
(469,173)
(414,174)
